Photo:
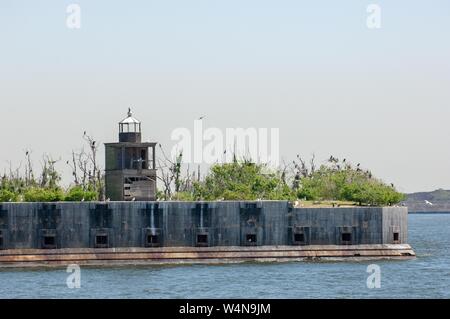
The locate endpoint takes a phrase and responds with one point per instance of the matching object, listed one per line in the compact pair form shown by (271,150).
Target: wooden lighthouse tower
(130,171)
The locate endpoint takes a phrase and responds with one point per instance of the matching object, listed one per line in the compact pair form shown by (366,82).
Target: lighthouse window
(1,242)
(202,240)
(143,158)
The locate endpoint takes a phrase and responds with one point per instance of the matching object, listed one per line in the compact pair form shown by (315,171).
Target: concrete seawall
(217,231)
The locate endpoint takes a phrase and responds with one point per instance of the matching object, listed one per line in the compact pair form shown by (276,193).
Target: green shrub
(43,195)
(77,193)
(347,184)
(183,196)
(242,181)
(8,196)
(375,193)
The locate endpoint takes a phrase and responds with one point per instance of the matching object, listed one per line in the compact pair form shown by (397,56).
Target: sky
(313,69)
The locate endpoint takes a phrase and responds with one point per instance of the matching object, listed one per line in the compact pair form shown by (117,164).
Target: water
(427,276)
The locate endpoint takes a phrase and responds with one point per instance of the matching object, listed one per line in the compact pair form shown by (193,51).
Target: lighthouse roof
(130,119)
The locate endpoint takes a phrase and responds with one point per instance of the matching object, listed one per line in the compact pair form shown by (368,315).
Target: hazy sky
(379,97)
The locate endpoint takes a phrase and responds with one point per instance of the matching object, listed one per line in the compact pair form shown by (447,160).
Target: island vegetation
(335,182)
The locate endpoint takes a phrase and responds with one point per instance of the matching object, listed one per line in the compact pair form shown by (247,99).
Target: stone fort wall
(194,224)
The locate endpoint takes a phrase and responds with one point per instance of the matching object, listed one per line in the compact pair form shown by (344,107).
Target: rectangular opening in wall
(101,241)
(152,240)
(250,239)
(396,237)
(346,238)
(299,238)
(49,242)
(1,242)
(3,217)
(202,240)
(143,158)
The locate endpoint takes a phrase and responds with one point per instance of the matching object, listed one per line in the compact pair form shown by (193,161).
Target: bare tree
(49,176)
(171,177)
(85,169)
(92,157)
(302,169)
(29,173)
(73,166)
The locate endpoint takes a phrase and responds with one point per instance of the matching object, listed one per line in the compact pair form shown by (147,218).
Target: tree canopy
(242,181)
(346,183)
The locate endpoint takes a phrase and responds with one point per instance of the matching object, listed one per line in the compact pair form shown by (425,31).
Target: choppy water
(428,276)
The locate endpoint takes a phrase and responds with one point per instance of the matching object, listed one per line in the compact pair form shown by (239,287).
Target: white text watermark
(213,145)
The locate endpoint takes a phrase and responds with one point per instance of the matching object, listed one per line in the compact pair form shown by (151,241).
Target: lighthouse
(130,169)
